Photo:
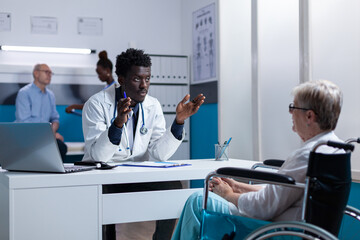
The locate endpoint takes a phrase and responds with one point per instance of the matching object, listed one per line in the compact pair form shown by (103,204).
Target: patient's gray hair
(324,98)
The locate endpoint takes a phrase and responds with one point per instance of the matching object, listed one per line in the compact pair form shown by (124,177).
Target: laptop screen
(29,147)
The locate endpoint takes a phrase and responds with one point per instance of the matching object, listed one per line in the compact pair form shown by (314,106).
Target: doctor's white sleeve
(162,144)
(97,144)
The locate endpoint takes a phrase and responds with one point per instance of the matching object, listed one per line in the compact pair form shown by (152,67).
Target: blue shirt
(33,105)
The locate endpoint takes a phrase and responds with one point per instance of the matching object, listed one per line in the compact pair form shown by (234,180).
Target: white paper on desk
(154,164)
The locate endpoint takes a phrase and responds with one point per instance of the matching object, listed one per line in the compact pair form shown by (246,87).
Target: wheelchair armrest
(256,175)
(249,174)
(274,162)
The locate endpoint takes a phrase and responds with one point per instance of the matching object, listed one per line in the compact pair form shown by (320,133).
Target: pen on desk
(220,151)
(222,147)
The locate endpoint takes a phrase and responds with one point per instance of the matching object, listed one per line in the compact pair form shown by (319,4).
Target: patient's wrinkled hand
(220,187)
(239,187)
(230,189)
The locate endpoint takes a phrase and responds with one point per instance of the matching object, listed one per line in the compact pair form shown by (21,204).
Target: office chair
(327,187)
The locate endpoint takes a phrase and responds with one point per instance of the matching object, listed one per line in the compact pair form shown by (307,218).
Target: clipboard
(154,164)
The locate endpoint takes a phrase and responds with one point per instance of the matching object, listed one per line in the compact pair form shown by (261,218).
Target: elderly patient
(315,112)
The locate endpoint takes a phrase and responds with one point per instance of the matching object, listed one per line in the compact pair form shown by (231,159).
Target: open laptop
(32,147)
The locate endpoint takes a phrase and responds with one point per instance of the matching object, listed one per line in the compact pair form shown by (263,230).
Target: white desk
(72,206)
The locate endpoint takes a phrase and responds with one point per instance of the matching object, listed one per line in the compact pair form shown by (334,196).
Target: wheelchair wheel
(350,224)
(290,230)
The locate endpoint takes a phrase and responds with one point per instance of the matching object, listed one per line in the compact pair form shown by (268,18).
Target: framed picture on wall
(5,22)
(90,26)
(44,25)
(204,63)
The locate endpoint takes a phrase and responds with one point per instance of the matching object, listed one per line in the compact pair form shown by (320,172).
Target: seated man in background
(36,103)
(315,112)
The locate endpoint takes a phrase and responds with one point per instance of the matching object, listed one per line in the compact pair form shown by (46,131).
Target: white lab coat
(158,143)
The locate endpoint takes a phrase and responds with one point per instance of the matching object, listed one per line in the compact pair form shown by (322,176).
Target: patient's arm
(230,189)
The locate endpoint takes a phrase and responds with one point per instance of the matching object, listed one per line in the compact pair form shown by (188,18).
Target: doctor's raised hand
(187,108)
(123,109)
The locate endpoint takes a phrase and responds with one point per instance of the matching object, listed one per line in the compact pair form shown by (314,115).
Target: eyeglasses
(292,108)
(47,72)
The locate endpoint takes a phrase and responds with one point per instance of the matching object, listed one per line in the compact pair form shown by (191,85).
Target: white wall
(235,86)
(335,51)
(335,55)
(150,25)
(236,104)
(258,119)
(278,71)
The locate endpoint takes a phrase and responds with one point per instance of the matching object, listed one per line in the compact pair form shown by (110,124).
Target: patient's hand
(224,190)
(220,187)
(230,189)
(240,187)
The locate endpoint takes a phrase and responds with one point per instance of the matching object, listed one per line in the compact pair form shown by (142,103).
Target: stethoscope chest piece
(143,130)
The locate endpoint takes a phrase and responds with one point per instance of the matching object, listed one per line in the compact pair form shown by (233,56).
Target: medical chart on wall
(204,45)
(5,22)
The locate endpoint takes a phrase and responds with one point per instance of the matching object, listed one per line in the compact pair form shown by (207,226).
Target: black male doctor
(124,123)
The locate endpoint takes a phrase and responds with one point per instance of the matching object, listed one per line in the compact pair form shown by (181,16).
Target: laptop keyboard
(70,169)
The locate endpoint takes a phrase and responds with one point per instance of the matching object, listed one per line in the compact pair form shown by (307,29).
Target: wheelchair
(326,192)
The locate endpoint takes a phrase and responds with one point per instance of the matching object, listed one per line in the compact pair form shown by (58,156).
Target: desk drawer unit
(55,213)
(144,206)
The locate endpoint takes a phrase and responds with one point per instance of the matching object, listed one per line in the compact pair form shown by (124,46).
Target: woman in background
(104,68)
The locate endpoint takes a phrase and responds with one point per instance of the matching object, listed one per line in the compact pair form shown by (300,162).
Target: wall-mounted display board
(204,45)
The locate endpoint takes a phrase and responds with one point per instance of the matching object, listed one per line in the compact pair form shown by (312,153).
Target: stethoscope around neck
(143,129)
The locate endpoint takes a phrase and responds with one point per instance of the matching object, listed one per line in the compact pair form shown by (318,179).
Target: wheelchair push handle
(345,146)
(351,140)
(340,145)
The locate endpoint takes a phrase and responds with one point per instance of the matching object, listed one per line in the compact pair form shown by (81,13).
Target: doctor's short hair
(324,98)
(132,57)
